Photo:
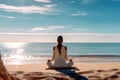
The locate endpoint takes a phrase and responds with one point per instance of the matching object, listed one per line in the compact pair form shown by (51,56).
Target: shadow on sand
(72,74)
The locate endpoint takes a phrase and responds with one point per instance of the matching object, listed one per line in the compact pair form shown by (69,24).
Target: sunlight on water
(17,59)
(19,51)
(14,44)
(17,56)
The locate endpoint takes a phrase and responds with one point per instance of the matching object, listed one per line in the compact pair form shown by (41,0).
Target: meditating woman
(60,56)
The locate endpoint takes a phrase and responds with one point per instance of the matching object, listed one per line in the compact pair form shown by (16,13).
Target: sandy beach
(87,71)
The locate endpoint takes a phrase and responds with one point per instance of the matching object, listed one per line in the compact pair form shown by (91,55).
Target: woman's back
(59,60)
(58,54)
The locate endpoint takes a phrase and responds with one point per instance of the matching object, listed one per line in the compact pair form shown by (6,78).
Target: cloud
(9,17)
(68,37)
(80,14)
(92,34)
(70,34)
(43,1)
(80,29)
(50,5)
(46,10)
(46,28)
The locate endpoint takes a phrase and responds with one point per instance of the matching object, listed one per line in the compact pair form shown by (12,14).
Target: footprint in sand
(113,77)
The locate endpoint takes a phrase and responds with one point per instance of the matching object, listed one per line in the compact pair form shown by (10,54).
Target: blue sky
(83,20)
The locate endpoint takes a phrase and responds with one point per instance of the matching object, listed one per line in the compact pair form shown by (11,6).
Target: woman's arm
(53,56)
(66,55)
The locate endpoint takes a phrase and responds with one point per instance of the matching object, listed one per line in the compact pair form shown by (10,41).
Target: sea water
(73,48)
(82,51)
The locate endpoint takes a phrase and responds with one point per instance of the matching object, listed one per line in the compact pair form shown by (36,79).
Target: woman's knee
(49,64)
(70,64)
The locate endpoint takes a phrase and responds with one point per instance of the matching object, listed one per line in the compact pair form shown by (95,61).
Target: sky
(44,20)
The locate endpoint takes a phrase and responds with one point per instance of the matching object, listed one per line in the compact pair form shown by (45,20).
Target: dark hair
(60,37)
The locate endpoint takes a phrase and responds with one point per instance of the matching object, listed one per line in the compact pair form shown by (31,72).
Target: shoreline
(21,59)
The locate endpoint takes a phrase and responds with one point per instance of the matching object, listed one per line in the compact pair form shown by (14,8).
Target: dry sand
(87,71)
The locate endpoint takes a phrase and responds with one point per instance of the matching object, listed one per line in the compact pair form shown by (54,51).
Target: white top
(60,59)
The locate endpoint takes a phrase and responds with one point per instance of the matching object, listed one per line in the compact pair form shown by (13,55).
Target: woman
(60,56)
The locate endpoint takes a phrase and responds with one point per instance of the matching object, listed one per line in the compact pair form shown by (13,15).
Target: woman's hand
(49,60)
(70,60)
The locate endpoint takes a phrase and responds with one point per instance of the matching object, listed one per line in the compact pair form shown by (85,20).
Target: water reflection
(14,44)
(17,58)
(17,55)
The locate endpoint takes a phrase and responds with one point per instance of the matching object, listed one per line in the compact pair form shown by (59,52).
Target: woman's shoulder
(65,47)
(54,47)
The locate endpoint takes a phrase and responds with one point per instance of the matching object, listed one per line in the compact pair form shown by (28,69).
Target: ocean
(73,48)
(41,51)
